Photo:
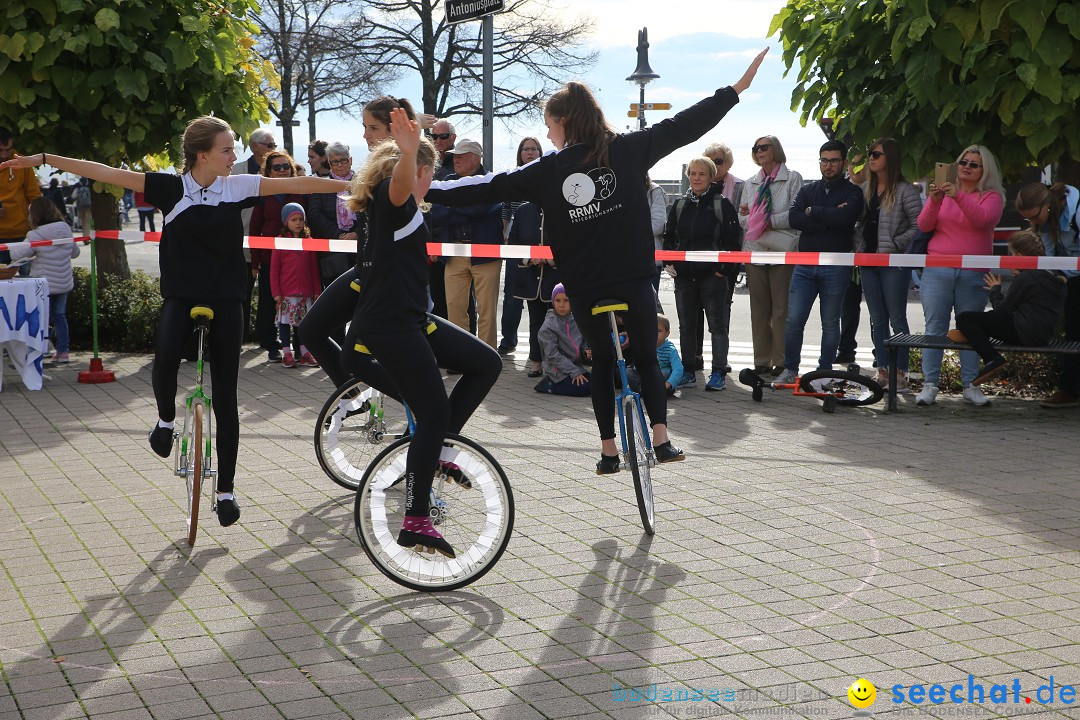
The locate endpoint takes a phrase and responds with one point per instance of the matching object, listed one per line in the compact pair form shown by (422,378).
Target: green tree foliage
(116,81)
(940,74)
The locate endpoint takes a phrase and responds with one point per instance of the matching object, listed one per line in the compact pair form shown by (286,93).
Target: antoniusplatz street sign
(463,10)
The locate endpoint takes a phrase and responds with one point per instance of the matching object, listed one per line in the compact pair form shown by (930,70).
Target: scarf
(761,206)
(345,216)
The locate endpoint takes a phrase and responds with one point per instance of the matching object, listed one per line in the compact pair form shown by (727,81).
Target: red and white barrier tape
(541,252)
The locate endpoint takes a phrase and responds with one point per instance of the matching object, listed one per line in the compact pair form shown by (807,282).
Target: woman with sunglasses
(1054,211)
(889,224)
(763,213)
(962,217)
(266,222)
(596,216)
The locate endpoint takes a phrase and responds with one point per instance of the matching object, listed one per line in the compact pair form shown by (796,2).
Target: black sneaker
(454,473)
(421,543)
(228,511)
(990,369)
(273,356)
(608,464)
(161,439)
(668,453)
(506,349)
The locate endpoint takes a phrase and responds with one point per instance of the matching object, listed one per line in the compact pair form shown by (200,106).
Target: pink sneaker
(308,359)
(287,359)
(62,358)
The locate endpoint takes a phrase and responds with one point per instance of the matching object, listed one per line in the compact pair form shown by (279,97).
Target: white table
(24,327)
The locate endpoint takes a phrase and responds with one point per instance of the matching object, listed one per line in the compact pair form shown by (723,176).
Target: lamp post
(643,74)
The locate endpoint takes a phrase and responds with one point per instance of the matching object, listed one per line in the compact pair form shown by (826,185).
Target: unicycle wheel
(639,461)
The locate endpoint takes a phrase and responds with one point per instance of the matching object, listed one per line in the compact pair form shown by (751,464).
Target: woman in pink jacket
(962,217)
(295,283)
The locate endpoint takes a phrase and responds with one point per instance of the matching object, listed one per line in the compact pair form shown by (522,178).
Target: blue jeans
(807,283)
(58,319)
(886,292)
(944,291)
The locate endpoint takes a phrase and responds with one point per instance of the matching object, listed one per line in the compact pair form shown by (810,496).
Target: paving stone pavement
(796,552)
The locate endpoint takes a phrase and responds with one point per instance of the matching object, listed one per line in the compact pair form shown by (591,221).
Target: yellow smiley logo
(862,693)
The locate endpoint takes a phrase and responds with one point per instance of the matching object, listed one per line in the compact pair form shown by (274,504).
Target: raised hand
(748,76)
(406,132)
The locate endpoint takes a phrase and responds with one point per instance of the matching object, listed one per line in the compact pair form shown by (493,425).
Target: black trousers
(326,319)
(223,344)
(410,360)
(537,312)
(850,316)
(640,325)
(1070,364)
(980,327)
(266,330)
(693,295)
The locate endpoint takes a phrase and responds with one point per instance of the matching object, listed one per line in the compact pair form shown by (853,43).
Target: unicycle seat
(606,306)
(201,312)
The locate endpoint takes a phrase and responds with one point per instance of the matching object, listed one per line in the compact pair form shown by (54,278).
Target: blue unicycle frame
(637,449)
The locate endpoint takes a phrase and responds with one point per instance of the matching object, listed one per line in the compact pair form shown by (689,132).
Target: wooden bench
(941,342)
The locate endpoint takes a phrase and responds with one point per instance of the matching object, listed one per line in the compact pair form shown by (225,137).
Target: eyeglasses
(530,148)
(969,164)
(271,145)
(830,161)
(441,136)
(718,161)
(278,167)
(759,148)
(341,161)
(876,154)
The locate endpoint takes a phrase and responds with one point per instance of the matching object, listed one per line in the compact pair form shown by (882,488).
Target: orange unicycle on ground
(832,387)
(194,451)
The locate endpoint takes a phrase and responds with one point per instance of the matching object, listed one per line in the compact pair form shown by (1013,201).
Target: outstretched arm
(304,185)
(95,171)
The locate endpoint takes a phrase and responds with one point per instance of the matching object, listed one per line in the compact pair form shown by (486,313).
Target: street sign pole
(489,92)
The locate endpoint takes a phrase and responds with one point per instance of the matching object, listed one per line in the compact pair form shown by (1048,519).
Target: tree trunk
(111,254)
(1068,171)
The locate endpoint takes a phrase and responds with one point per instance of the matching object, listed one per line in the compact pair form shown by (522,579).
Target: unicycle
(470,502)
(637,450)
(832,387)
(194,451)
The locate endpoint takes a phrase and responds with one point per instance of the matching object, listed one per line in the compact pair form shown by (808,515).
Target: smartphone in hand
(944,173)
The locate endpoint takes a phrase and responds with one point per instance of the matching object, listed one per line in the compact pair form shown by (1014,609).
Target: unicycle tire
(473,509)
(638,457)
(848,388)
(349,435)
(194,475)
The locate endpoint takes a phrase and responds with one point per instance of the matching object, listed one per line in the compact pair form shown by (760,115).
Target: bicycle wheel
(194,475)
(352,427)
(847,387)
(472,506)
(640,463)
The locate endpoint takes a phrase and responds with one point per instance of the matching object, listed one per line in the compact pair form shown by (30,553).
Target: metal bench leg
(892,377)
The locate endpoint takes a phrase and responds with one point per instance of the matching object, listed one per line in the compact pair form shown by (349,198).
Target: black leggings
(640,325)
(223,345)
(411,359)
(331,311)
(980,327)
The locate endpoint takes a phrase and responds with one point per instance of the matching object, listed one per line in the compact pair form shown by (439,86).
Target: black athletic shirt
(596,219)
(393,266)
(202,238)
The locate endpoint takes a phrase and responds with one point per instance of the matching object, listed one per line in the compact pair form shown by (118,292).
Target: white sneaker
(786,378)
(975,396)
(928,395)
(902,386)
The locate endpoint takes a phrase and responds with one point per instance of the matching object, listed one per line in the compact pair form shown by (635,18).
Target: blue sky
(691,65)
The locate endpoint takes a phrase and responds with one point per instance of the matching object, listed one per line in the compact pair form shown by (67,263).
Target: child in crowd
(1028,315)
(294,281)
(667,356)
(561,349)
(52,262)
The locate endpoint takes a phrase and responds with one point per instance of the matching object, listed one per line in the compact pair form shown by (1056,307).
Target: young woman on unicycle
(391,321)
(596,216)
(202,263)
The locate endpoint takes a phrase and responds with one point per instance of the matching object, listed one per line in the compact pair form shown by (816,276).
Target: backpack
(719,242)
(82,196)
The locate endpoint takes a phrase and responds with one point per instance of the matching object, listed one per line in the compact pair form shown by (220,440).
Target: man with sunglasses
(825,213)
